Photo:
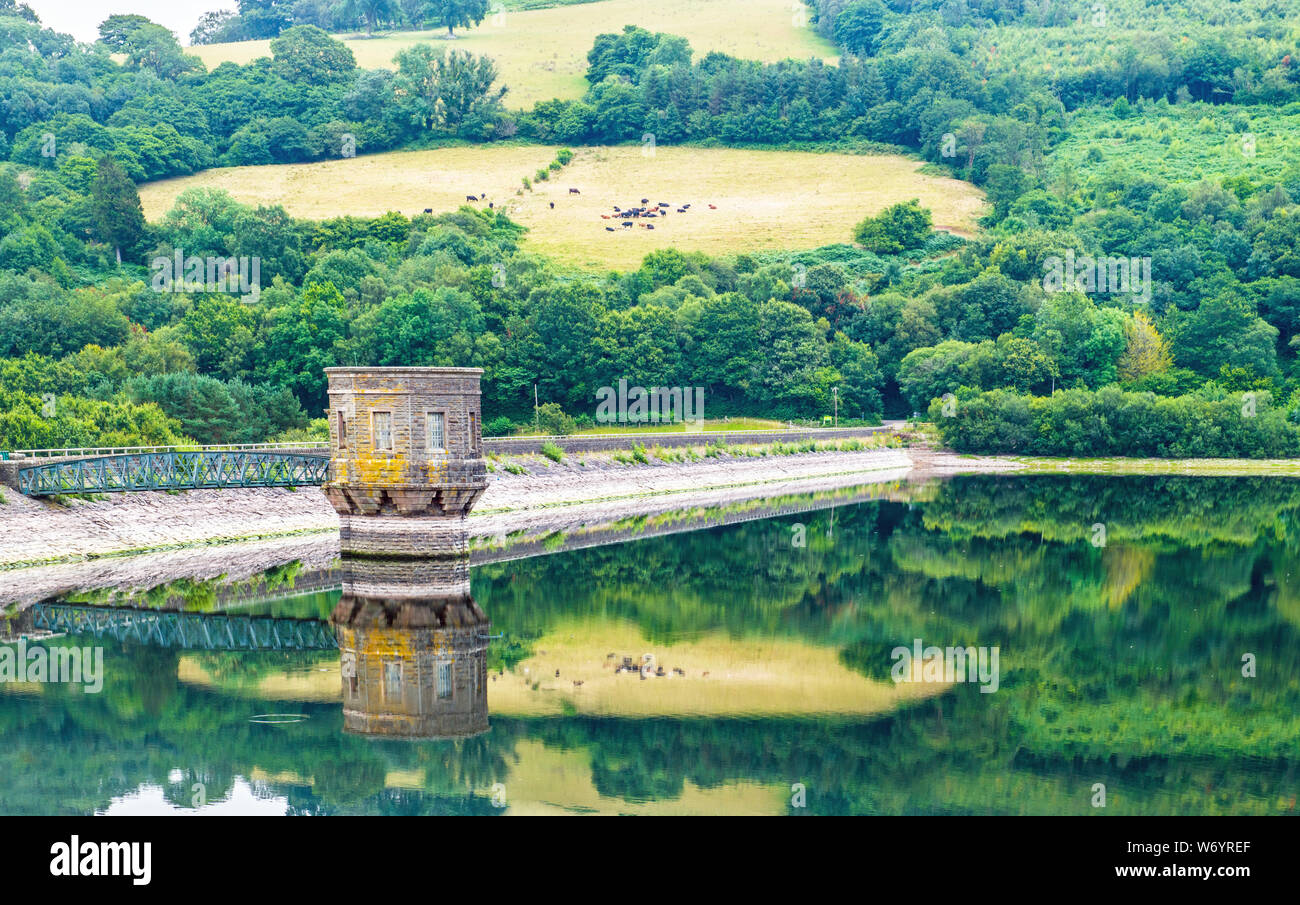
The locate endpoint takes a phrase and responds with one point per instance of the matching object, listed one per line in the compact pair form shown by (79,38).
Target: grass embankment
(641,454)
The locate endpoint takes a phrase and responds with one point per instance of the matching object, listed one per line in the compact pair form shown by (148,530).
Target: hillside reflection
(1122,663)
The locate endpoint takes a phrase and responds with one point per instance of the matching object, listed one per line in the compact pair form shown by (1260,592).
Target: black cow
(574,192)
(428,210)
(471,197)
(609,229)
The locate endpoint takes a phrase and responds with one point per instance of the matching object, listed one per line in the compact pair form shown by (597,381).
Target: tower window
(437,432)
(383,423)
(444,680)
(343,430)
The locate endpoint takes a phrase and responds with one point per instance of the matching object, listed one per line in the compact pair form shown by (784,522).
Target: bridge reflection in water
(189,631)
(413,642)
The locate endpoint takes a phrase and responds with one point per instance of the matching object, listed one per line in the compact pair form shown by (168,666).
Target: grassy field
(762,199)
(542,54)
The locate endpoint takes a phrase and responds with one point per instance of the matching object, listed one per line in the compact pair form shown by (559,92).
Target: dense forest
(1158,137)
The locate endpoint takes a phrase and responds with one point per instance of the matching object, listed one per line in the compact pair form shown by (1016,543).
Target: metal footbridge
(174,470)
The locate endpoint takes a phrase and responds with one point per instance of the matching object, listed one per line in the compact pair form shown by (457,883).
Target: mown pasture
(761,200)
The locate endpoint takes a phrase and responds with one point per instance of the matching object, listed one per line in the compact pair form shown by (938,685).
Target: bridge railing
(73,451)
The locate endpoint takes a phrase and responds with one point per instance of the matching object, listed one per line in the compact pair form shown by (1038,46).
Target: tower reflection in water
(413,644)
(406,467)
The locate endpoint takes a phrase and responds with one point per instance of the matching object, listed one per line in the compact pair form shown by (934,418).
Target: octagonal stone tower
(406,457)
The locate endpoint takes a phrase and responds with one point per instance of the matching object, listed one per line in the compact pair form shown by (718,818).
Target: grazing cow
(685,207)
(664,204)
(626,225)
(609,229)
(552,205)
(681,210)
(645,200)
(574,192)
(428,210)
(617,209)
(604,216)
(649,226)
(471,197)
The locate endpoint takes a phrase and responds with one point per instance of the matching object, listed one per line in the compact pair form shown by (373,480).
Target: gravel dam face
(36,531)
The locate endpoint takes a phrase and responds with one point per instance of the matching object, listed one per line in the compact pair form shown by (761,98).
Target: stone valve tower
(406,466)
(406,457)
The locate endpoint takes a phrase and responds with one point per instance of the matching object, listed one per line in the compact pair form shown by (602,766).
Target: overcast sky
(81,18)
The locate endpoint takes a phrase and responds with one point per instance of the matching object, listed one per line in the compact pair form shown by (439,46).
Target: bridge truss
(194,470)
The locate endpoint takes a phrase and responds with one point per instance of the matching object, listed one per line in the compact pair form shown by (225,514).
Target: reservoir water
(1146,629)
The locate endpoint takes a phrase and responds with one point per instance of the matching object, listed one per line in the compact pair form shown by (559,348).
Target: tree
(1145,350)
(119,217)
(1224,330)
(858,26)
(370,10)
(929,373)
(303,338)
(897,228)
(447,91)
(1085,340)
(458,13)
(146,45)
(308,55)
(215,27)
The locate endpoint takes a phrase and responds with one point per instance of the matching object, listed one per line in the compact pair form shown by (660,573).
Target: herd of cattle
(630,216)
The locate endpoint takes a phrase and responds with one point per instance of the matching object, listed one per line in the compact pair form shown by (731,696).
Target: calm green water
(1120,663)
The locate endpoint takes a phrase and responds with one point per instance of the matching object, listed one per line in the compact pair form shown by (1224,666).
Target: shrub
(552,420)
(499,427)
(552,451)
(1110,422)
